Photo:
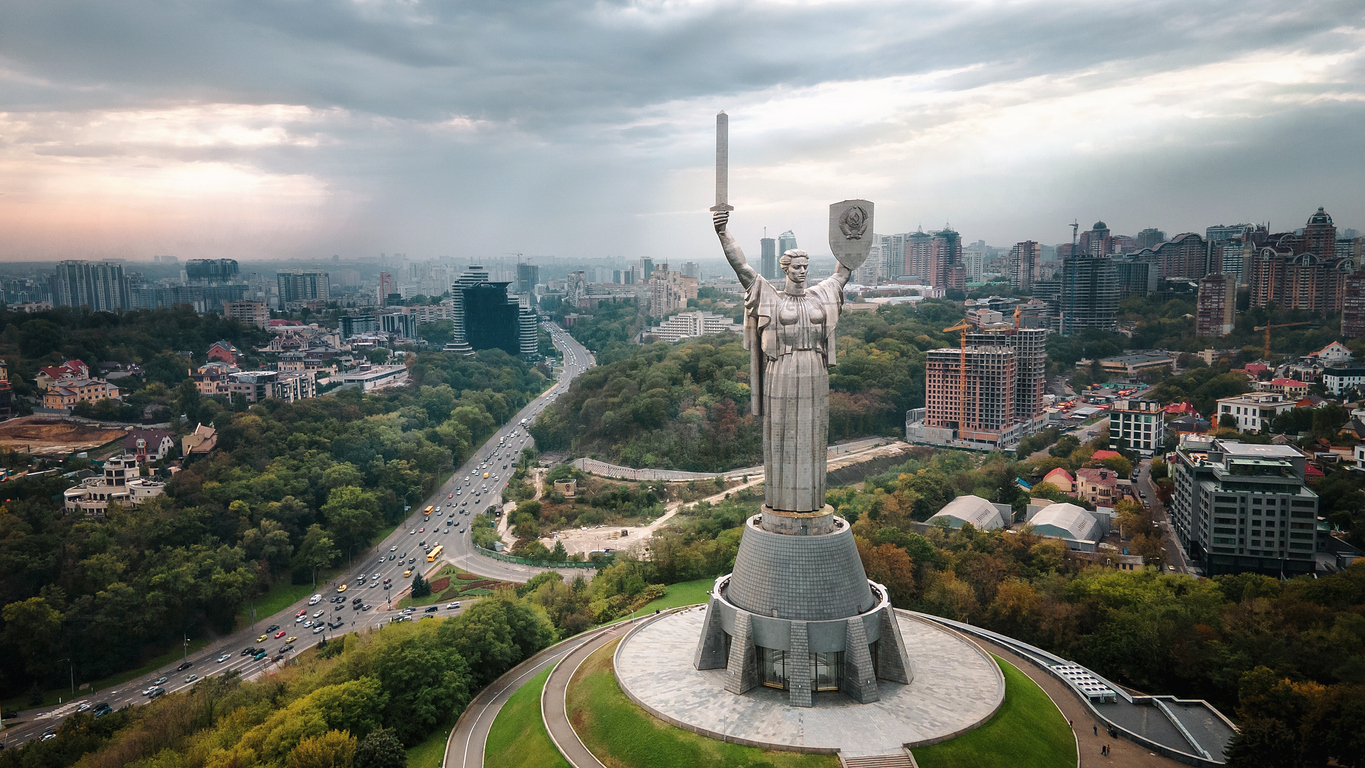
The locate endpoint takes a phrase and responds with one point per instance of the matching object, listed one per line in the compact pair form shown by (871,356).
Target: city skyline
(317,130)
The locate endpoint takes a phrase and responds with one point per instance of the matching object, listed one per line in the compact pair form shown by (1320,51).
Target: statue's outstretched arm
(733,253)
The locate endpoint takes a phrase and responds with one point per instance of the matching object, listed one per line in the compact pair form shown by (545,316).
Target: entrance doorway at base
(826,669)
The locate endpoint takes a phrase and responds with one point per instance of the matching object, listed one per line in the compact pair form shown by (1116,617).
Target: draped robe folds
(791,346)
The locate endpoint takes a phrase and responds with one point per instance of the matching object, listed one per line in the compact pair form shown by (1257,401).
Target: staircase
(902,760)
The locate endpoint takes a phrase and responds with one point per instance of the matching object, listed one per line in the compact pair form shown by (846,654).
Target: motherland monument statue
(798,612)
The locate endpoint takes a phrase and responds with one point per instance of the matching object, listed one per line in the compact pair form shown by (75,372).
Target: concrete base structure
(798,614)
(956,687)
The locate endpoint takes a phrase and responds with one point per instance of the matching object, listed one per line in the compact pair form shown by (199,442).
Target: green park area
(518,738)
(622,735)
(1028,731)
(431,752)
(680,594)
(450,583)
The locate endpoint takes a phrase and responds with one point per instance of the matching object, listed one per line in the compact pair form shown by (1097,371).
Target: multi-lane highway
(374,576)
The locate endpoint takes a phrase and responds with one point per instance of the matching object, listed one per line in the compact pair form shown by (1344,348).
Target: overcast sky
(303,128)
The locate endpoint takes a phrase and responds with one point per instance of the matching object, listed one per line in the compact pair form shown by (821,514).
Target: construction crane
(963,326)
(1267,328)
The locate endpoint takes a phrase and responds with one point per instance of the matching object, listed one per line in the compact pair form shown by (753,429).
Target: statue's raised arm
(733,253)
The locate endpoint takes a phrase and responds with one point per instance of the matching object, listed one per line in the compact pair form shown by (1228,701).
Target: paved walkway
(467,741)
(955,687)
(838,455)
(552,704)
(1123,753)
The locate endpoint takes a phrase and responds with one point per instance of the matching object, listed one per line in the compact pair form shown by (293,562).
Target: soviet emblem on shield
(849,221)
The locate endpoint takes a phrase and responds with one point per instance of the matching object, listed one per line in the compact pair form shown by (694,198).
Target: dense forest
(292,489)
(355,703)
(686,405)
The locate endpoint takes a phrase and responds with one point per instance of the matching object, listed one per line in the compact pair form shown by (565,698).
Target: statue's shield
(850,231)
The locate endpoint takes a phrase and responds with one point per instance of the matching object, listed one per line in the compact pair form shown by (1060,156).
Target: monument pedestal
(799,614)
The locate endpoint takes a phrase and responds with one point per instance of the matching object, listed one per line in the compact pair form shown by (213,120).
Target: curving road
(467,741)
(459,497)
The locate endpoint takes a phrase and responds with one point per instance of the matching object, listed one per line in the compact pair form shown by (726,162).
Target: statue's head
(795,264)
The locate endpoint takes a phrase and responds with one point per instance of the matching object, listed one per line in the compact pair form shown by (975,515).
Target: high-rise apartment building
(975,403)
(945,260)
(475,274)
(919,248)
(691,269)
(1023,263)
(974,262)
(247,312)
(768,247)
(1096,241)
(669,291)
(785,242)
(994,402)
(1353,306)
(100,285)
(211,270)
(528,277)
(1030,365)
(1136,276)
(1150,238)
(1084,295)
(1216,306)
(1301,271)
(1239,507)
(303,285)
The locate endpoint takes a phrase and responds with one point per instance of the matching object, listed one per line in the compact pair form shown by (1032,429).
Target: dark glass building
(490,320)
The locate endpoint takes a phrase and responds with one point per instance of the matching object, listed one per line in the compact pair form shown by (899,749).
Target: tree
(33,627)
(334,749)
(187,401)
(420,586)
(317,551)
(559,554)
(380,749)
(1227,421)
(1263,743)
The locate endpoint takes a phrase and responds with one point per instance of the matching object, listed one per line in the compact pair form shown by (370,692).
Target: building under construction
(986,395)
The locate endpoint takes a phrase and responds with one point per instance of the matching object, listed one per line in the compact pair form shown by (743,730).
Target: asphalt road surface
(464,493)
(1175,554)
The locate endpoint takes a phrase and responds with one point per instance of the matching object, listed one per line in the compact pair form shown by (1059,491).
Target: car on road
(412,532)
(299,619)
(278,658)
(453,605)
(224,658)
(374,575)
(407,573)
(286,648)
(394,548)
(423,529)
(374,584)
(259,656)
(157,692)
(432,609)
(191,678)
(341,588)
(280,634)
(391,557)
(315,599)
(184,666)
(159,681)
(386,581)
(365,607)
(318,614)
(84,706)
(302,612)
(272,627)
(317,629)
(388,586)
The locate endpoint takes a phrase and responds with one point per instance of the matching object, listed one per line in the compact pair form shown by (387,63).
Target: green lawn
(459,589)
(20,702)
(518,738)
(682,593)
(622,735)
(1027,731)
(430,753)
(280,596)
